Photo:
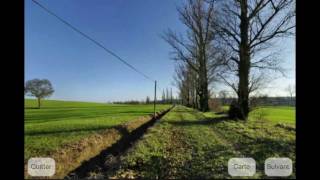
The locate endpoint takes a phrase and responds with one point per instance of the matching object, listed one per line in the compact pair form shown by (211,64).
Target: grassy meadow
(61,122)
(198,145)
(275,114)
(183,144)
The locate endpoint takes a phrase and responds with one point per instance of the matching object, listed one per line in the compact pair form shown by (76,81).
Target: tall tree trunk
(39,103)
(204,97)
(188,98)
(196,99)
(244,64)
(193,98)
(203,94)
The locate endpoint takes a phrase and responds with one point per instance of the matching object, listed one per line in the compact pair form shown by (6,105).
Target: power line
(91,39)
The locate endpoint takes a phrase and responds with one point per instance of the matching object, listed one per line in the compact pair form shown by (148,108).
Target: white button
(278,167)
(241,166)
(41,166)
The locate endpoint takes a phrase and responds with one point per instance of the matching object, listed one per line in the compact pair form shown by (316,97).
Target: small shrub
(234,110)
(215,105)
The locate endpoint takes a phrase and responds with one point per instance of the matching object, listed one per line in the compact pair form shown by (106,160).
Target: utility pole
(171,95)
(155,99)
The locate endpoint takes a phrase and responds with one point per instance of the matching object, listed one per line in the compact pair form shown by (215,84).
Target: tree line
(230,42)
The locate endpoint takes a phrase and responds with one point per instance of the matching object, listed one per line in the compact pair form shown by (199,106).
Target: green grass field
(276,114)
(199,145)
(61,122)
(185,143)
(281,114)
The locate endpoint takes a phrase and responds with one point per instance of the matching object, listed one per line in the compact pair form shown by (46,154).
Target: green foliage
(38,88)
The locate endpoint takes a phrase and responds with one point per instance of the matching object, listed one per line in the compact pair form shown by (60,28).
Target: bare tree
(291,91)
(223,94)
(248,28)
(257,100)
(186,82)
(39,89)
(147,100)
(179,79)
(163,97)
(196,48)
(171,98)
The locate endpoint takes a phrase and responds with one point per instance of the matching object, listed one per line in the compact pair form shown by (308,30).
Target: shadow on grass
(99,162)
(199,122)
(221,113)
(202,120)
(262,148)
(32,108)
(184,111)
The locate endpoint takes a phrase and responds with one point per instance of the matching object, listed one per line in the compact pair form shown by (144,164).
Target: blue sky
(79,70)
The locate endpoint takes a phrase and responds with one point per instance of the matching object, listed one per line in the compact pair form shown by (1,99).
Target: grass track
(190,144)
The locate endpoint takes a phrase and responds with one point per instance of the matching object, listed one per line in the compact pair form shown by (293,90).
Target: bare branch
(232,85)
(263,31)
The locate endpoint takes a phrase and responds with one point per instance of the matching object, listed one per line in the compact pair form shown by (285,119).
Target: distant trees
(171,97)
(223,94)
(129,102)
(147,100)
(167,96)
(39,88)
(258,100)
(185,80)
(163,98)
